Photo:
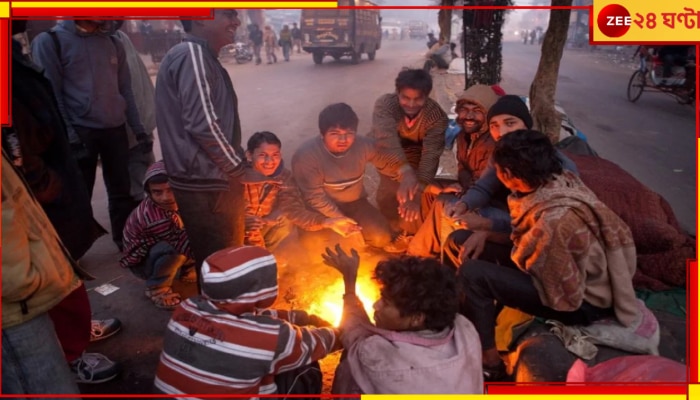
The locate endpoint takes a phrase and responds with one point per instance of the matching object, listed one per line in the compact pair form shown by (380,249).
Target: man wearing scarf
(572,259)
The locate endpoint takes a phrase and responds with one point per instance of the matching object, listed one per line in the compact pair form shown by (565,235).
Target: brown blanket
(662,247)
(574,247)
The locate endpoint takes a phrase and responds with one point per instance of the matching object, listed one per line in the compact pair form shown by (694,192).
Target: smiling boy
(330,169)
(273,201)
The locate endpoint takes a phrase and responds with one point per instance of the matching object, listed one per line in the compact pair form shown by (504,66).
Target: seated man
(156,245)
(672,56)
(420,344)
(481,209)
(226,341)
(474,148)
(572,259)
(330,170)
(273,202)
(439,55)
(410,125)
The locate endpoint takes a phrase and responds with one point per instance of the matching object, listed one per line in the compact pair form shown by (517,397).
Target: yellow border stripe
(693,392)
(5,10)
(184,4)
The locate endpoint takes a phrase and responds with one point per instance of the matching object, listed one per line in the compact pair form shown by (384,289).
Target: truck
(342,32)
(417,29)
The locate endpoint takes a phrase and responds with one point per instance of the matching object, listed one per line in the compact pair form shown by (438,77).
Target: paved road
(651,139)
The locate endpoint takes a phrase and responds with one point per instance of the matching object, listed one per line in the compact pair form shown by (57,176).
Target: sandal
(163,298)
(188,275)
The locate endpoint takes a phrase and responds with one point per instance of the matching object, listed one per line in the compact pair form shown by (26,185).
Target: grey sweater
(326,179)
(90,78)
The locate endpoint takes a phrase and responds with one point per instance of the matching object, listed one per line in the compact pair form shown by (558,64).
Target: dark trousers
(435,61)
(375,230)
(112,148)
(213,220)
(486,287)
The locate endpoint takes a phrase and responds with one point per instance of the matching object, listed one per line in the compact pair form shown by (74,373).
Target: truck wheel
(371,54)
(318,57)
(355,57)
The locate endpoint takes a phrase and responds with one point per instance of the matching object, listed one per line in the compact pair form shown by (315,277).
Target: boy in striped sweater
(156,246)
(226,341)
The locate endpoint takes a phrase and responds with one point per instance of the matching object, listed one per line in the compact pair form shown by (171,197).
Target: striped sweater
(278,194)
(209,349)
(419,142)
(147,225)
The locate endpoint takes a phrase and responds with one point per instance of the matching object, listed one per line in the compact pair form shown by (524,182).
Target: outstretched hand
(346,264)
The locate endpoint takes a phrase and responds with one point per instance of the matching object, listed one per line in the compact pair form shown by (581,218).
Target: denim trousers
(161,265)
(32,360)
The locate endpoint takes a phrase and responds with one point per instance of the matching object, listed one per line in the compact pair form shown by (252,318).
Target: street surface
(652,139)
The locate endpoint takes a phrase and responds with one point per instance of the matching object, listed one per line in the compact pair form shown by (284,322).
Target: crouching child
(226,341)
(156,246)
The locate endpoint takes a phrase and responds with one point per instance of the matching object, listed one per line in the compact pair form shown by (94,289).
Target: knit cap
(244,275)
(482,95)
(157,168)
(511,105)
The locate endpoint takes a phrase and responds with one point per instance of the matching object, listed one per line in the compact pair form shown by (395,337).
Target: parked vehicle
(239,51)
(341,32)
(417,29)
(649,77)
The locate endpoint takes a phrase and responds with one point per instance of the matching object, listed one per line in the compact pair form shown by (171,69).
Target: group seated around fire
(565,256)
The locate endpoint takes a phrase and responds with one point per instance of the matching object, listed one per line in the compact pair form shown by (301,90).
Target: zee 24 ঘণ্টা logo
(614,21)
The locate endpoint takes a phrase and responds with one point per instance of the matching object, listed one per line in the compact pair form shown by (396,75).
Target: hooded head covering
(244,278)
(481,95)
(157,168)
(511,105)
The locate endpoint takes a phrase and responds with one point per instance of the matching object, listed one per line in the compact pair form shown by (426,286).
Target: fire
(329,303)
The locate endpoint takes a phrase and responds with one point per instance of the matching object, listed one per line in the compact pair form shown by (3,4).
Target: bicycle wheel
(636,86)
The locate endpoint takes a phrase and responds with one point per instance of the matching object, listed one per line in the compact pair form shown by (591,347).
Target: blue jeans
(32,360)
(161,266)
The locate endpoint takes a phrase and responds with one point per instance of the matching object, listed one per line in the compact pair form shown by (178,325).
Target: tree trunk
(445,20)
(544,86)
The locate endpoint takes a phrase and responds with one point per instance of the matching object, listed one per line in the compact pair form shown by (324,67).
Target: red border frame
(540,388)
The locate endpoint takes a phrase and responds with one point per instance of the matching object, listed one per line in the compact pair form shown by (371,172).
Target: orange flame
(329,303)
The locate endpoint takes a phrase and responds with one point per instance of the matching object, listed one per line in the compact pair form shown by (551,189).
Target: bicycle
(681,85)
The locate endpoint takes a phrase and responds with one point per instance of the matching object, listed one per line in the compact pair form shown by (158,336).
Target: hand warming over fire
(408,187)
(346,264)
(343,226)
(410,210)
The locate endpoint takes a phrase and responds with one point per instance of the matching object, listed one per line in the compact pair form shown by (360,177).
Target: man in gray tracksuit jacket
(200,135)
